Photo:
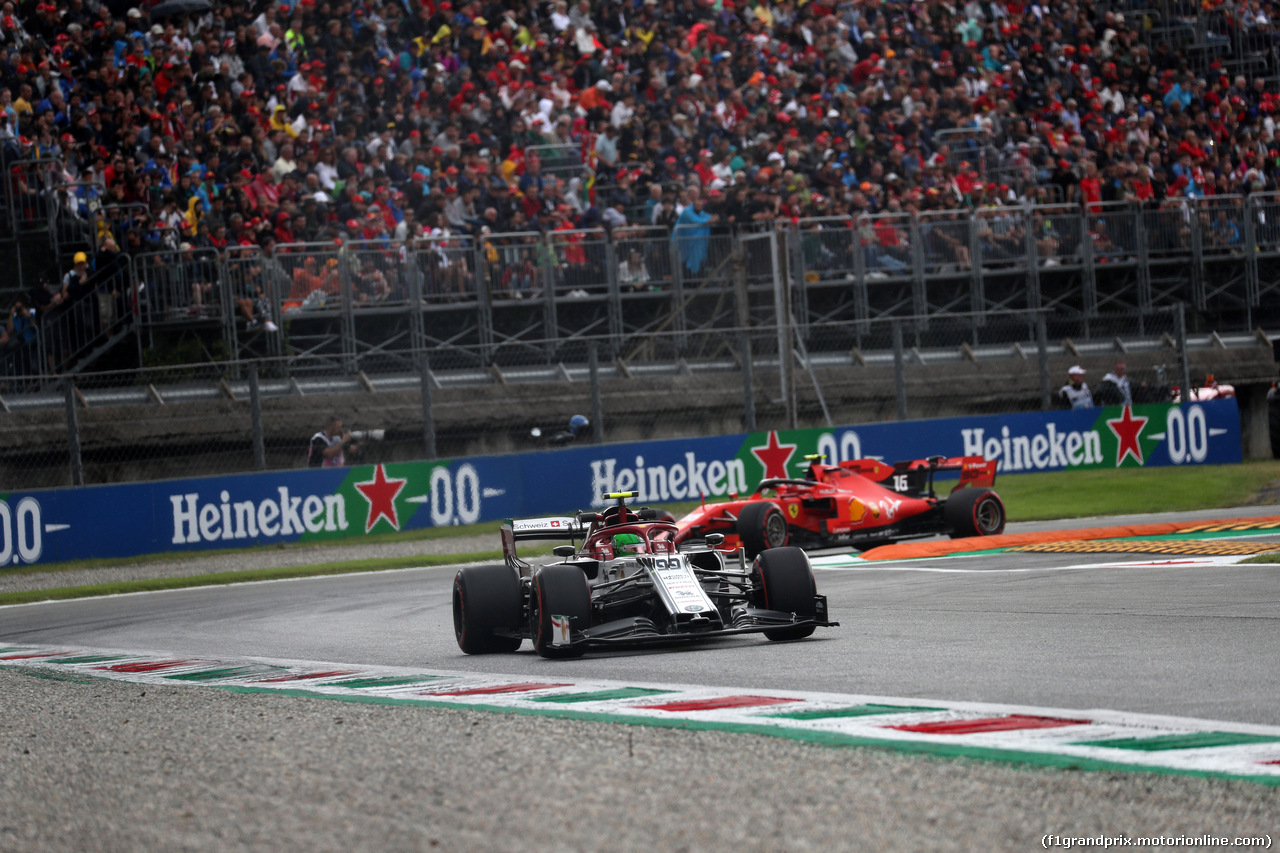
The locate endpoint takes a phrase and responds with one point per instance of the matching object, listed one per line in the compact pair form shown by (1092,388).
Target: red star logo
(1127,429)
(774,457)
(381,495)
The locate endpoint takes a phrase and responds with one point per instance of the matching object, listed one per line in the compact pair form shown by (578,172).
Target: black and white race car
(629,583)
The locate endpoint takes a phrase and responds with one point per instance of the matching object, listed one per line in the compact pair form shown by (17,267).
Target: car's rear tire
(761,526)
(558,591)
(785,582)
(486,599)
(974,512)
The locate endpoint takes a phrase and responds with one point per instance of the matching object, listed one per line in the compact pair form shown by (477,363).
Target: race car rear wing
(974,470)
(555,528)
(977,471)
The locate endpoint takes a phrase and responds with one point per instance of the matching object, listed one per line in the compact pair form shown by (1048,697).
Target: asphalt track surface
(1057,630)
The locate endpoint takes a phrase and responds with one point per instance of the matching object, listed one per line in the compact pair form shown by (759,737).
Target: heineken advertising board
(333,503)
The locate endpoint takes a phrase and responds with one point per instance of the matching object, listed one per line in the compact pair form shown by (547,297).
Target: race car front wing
(743,620)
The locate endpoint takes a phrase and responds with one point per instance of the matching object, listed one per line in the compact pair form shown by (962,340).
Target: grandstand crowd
(260,123)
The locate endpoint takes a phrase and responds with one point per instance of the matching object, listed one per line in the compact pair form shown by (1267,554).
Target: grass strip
(220,578)
(1124,491)
(489,528)
(1130,491)
(1263,558)
(1117,491)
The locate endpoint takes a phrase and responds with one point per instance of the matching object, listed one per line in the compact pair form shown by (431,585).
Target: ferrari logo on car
(793,510)
(857,509)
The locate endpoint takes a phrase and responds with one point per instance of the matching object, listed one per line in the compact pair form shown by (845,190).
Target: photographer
(330,446)
(17,336)
(1075,394)
(20,328)
(577,429)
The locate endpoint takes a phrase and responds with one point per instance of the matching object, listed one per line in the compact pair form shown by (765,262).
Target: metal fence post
(899,371)
(1184,368)
(348,324)
(1251,257)
(615,293)
(782,315)
(1042,348)
(1197,258)
(748,382)
(597,402)
(550,316)
(73,436)
(255,417)
(417,337)
(800,289)
(919,287)
(428,419)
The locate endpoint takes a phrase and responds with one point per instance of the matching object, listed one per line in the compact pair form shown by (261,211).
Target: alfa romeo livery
(629,583)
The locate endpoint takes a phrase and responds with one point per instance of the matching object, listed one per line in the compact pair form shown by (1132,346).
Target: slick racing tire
(974,512)
(785,582)
(558,591)
(486,599)
(761,526)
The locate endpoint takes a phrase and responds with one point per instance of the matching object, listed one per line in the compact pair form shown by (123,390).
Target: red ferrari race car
(860,503)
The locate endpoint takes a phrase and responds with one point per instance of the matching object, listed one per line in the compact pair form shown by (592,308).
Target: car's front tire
(785,582)
(486,599)
(558,591)
(761,526)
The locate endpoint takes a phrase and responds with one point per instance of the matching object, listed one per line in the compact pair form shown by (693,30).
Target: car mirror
(564,550)
(714,540)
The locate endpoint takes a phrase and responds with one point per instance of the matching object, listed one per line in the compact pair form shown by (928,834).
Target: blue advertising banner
(321,504)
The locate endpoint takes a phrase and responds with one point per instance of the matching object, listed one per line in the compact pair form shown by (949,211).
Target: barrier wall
(320,504)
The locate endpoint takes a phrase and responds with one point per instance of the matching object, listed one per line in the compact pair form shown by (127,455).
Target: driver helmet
(578,425)
(628,543)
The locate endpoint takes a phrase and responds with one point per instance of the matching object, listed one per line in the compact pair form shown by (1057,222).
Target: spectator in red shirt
(1091,187)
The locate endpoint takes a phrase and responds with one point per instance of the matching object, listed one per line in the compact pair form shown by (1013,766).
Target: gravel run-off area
(89,764)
